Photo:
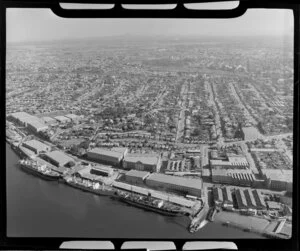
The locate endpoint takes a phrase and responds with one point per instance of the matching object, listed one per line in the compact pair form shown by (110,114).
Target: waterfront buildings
(58,159)
(227,196)
(112,156)
(136,177)
(218,196)
(241,199)
(36,146)
(94,173)
(176,184)
(142,162)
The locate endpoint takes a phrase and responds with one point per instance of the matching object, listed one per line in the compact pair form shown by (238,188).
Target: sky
(24,25)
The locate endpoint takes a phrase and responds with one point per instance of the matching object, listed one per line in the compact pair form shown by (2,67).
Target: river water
(39,208)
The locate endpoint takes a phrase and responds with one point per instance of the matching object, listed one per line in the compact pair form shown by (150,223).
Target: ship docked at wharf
(92,187)
(151,204)
(43,171)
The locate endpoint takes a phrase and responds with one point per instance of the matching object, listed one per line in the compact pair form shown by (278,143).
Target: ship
(42,171)
(93,188)
(147,203)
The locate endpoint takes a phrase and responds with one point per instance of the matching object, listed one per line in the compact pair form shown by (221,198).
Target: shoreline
(260,226)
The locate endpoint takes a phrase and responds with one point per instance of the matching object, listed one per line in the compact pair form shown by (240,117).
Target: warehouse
(31,122)
(59,159)
(259,200)
(94,173)
(50,121)
(250,199)
(227,197)
(36,126)
(36,146)
(218,196)
(62,119)
(111,156)
(174,183)
(142,162)
(136,177)
(74,118)
(241,199)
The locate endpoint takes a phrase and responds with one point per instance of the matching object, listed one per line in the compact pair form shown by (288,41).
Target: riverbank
(252,224)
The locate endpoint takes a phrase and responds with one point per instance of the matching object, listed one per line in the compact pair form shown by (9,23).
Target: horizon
(42,25)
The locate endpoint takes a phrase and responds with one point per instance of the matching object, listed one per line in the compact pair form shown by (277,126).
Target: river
(39,208)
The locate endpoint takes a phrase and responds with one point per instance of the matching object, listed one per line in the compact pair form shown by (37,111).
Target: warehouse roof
(180,181)
(147,159)
(60,157)
(137,174)
(36,144)
(71,116)
(107,152)
(61,118)
(279,175)
(48,119)
(37,124)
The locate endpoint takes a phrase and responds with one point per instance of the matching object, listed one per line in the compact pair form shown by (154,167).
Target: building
(241,199)
(73,117)
(250,199)
(279,180)
(176,165)
(227,198)
(102,171)
(31,122)
(235,177)
(136,177)
(94,173)
(259,200)
(36,146)
(272,205)
(142,162)
(62,119)
(175,183)
(112,156)
(218,196)
(50,121)
(59,159)
(233,162)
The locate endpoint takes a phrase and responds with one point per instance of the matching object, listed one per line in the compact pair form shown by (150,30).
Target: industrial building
(142,162)
(112,156)
(227,198)
(218,196)
(259,200)
(50,121)
(62,119)
(136,177)
(31,122)
(73,117)
(233,177)
(176,165)
(36,146)
(59,159)
(241,199)
(174,183)
(94,173)
(233,162)
(279,180)
(251,203)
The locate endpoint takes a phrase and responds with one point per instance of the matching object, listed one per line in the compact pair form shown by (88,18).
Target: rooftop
(60,157)
(138,174)
(147,159)
(180,181)
(107,152)
(36,144)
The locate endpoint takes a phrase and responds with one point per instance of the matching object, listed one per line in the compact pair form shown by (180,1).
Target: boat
(104,190)
(147,203)
(33,167)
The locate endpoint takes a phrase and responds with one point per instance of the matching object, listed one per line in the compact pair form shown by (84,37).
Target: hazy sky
(43,25)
